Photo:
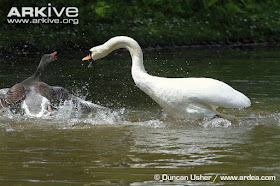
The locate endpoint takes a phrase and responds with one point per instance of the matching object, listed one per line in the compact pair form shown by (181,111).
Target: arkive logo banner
(41,15)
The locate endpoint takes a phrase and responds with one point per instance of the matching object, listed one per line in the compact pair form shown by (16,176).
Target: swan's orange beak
(86,58)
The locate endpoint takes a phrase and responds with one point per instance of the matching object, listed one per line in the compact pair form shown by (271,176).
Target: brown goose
(36,96)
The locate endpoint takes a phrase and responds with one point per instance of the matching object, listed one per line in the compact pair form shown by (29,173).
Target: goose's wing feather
(60,93)
(87,105)
(44,89)
(15,93)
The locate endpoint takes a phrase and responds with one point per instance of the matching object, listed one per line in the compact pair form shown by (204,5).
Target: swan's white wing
(201,90)
(216,93)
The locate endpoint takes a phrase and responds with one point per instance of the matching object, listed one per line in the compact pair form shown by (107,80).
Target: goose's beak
(54,55)
(86,58)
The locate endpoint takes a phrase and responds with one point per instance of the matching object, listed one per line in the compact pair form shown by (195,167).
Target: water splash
(69,116)
(216,123)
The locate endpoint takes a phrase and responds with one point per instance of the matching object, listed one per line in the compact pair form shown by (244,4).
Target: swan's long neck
(137,69)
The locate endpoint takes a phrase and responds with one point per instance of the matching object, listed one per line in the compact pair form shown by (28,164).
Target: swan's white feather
(203,90)
(192,97)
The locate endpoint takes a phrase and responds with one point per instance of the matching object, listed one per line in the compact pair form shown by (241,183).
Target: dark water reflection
(136,140)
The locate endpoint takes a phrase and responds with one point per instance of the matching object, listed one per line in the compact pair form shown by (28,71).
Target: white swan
(180,97)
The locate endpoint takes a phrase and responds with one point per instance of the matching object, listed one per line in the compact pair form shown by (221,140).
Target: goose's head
(46,59)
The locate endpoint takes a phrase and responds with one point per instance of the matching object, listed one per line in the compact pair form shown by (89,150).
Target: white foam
(216,123)
(68,116)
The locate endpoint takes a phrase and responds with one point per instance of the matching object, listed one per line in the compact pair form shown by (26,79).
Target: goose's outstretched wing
(61,94)
(87,106)
(14,94)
